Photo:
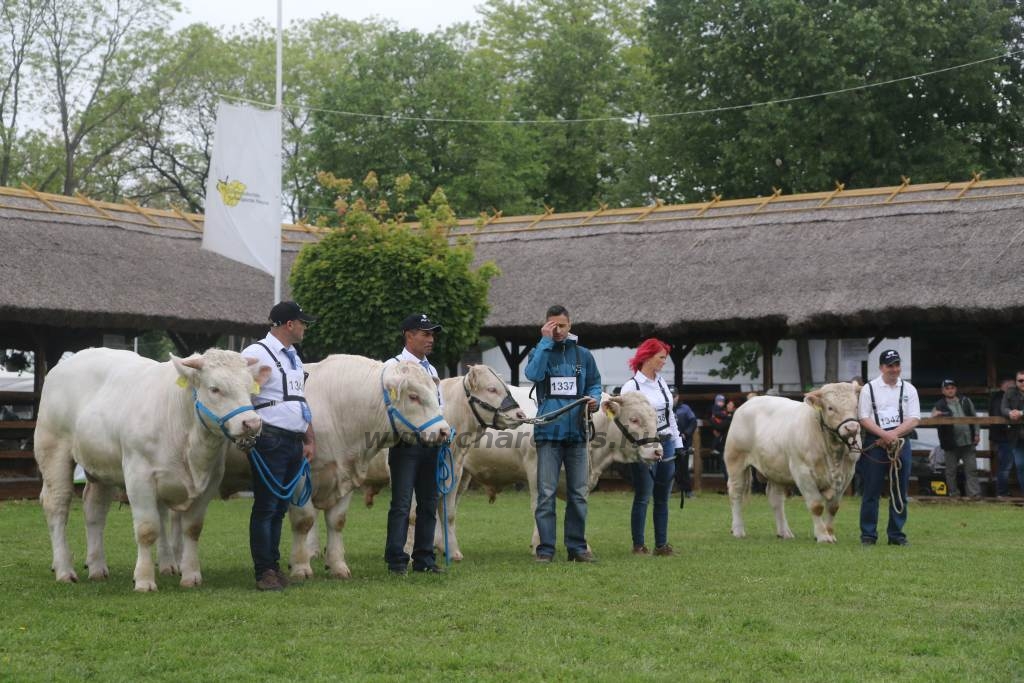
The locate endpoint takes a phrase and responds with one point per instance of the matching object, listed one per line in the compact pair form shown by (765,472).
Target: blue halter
(202,410)
(394,412)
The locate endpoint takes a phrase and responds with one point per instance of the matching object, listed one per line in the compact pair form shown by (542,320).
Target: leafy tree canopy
(363,278)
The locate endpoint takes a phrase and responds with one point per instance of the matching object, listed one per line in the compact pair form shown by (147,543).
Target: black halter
(507,403)
(632,439)
(851,444)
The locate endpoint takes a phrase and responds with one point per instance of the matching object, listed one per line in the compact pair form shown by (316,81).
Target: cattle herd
(173,435)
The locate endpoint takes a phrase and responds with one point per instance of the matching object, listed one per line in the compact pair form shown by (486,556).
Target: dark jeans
(1010,457)
(282,451)
(652,479)
(874,467)
(413,468)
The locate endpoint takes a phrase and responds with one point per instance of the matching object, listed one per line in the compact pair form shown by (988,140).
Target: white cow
(349,397)
(813,444)
(158,430)
(472,402)
(501,459)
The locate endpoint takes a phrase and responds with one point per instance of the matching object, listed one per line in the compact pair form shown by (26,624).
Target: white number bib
(662,420)
(562,386)
(889,419)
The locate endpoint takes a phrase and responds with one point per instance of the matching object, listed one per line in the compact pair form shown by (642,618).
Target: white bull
(127,421)
(500,459)
(813,444)
(472,403)
(347,396)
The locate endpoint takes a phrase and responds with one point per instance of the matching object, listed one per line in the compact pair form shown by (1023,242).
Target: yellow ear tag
(182,381)
(393,393)
(609,413)
(255,388)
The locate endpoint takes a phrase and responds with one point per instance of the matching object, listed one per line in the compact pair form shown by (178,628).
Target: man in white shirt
(413,468)
(889,410)
(286,438)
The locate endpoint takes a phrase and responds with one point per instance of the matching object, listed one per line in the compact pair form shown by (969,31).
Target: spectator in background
(721,419)
(958,441)
(686,420)
(1013,408)
(997,435)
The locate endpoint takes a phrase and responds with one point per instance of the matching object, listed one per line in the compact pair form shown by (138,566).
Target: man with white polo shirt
(286,437)
(413,469)
(889,410)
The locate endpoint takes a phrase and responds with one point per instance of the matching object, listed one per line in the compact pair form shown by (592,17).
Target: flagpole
(278,106)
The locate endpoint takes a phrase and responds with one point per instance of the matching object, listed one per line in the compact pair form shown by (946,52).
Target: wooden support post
(698,461)
(767,356)
(678,354)
(514,356)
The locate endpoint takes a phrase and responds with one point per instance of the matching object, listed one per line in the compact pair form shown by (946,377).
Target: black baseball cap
(419,321)
(948,383)
(289,310)
(889,357)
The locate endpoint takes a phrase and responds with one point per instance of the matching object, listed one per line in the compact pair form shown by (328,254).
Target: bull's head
(223,382)
(635,418)
(837,406)
(413,397)
(490,399)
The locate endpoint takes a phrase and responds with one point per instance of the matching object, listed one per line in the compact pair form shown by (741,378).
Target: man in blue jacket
(563,372)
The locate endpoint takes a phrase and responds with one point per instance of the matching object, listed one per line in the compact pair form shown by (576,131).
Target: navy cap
(948,383)
(719,398)
(289,310)
(889,357)
(419,321)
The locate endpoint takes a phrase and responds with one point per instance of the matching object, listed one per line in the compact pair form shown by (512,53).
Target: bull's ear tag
(182,381)
(255,388)
(609,413)
(393,393)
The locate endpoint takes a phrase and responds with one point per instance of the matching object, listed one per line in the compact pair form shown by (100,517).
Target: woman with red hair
(653,480)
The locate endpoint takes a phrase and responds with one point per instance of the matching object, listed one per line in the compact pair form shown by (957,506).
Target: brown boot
(664,550)
(268,581)
(641,550)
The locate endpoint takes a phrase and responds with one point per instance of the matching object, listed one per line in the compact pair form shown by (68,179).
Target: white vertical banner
(243,190)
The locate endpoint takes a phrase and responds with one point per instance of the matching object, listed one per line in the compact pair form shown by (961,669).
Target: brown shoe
(664,550)
(268,581)
(585,556)
(641,550)
(282,578)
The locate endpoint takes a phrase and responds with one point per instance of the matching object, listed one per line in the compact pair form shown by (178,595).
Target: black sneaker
(428,569)
(397,571)
(899,541)
(867,540)
(542,559)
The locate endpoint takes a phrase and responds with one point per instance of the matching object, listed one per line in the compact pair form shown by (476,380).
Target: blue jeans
(413,468)
(1010,457)
(874,467)
(282,451)
(656,478)
(550,457)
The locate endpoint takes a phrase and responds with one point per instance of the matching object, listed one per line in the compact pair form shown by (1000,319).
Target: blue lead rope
(445,478)
(284,491)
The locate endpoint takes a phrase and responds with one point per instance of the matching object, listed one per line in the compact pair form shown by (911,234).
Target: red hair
(649,349)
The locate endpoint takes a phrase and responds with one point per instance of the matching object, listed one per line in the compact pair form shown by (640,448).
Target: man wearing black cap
(958,441)
(286,438)
(889,410)
(413,468)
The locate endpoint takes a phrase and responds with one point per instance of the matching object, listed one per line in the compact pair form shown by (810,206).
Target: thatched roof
(72,262)
(840,263)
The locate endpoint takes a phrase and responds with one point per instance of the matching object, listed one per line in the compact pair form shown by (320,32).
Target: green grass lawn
(949,607)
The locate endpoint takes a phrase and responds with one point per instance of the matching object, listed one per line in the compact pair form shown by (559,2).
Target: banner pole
(278,105)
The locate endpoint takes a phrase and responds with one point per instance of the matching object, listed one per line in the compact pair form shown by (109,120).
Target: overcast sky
(424,15)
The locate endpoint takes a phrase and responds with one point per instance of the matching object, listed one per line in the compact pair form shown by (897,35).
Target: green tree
(579,66)
(364,277)
(721,54)
(19,25)
(741,358)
